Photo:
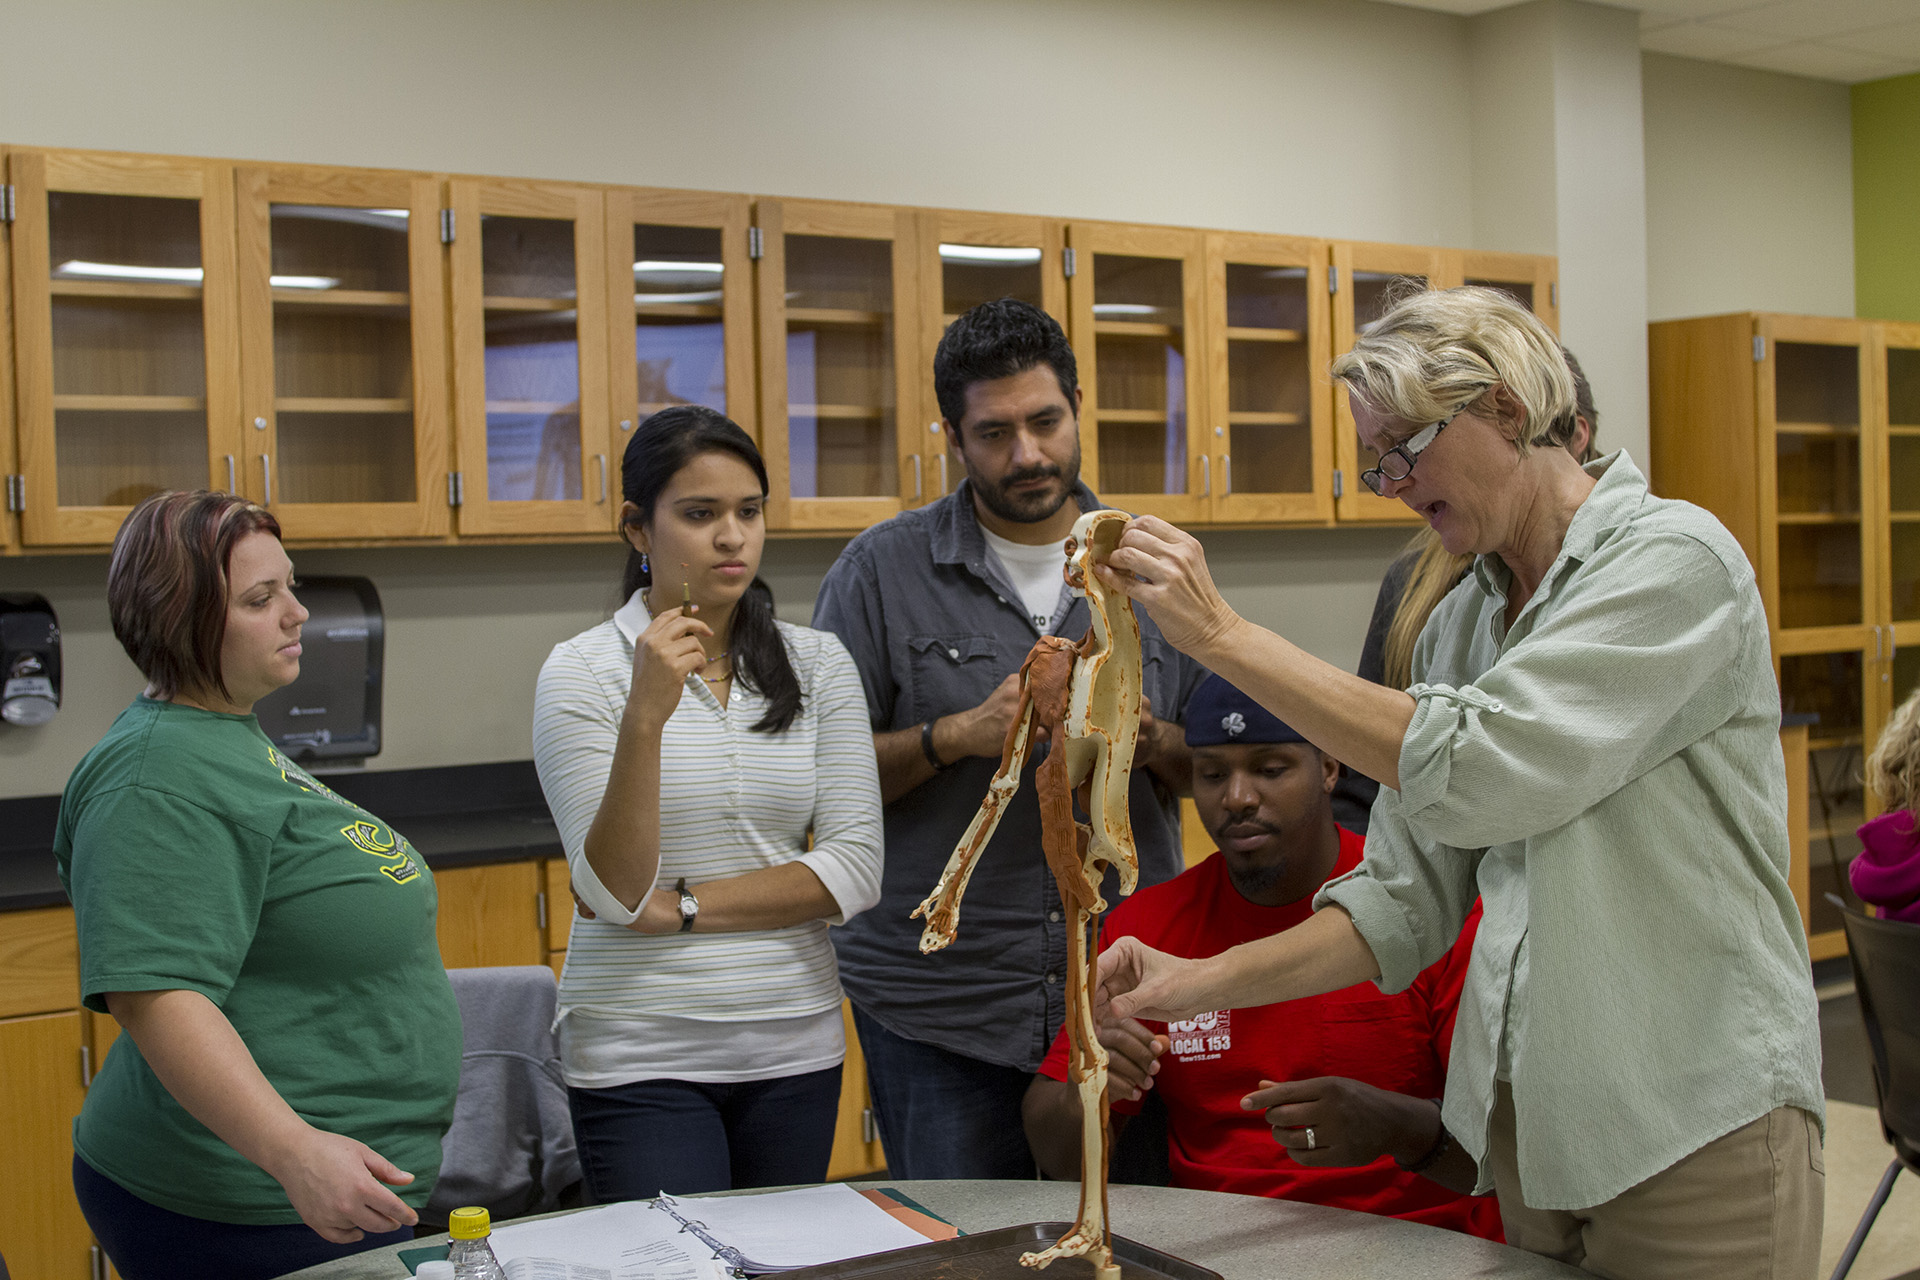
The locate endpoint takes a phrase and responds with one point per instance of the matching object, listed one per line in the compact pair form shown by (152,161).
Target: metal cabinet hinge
(446,226)
(1067,263)
(869,1128)
(1333,278)
(1759,347)
(756,243)
(16,493)
(1553,293)
(456,488)
(1339,482)
(6,202)
(86,1067)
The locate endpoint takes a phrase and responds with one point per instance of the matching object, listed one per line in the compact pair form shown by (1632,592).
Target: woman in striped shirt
(688,748)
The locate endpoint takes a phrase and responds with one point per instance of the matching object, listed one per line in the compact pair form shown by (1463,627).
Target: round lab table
(1241,1237)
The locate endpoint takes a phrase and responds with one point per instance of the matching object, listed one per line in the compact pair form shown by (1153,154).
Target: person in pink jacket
(1887,872)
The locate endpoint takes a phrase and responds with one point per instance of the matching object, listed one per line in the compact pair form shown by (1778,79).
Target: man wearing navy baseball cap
(1329,1100)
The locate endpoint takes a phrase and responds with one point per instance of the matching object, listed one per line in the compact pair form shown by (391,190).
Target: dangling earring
(643,565)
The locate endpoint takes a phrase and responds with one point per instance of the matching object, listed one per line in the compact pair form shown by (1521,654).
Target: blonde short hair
(1437,351)
(1893,770)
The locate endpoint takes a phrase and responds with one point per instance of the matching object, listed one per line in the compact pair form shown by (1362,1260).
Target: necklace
(719,679)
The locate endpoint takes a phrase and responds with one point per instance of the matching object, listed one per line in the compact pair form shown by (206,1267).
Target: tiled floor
(1856,1153)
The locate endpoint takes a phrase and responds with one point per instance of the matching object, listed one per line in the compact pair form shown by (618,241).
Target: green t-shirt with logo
(200,858)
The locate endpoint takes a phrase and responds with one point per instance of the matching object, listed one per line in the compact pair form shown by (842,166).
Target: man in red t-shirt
(1329,1100)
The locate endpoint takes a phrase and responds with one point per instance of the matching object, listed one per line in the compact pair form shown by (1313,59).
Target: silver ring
(1310,1142)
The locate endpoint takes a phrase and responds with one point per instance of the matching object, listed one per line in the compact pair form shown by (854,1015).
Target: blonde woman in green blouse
(1590,746)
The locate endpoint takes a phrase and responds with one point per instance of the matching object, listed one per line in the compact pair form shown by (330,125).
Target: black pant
(683,1137)
(147,1242)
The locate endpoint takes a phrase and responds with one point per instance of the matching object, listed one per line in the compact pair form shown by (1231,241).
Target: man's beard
(1030,508)
(1254,882)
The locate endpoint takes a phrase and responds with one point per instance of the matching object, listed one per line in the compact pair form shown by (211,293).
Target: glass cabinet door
(1532,280)
(1270,450)
(529,358)
(343,342)
(1366,279)
(1899,358)
(1137,303)
(1813,469)
(126,355)
(967,259)
(679,307)
(837,289)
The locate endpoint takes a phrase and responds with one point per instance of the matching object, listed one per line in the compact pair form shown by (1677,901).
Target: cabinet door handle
(601,458)
(1226,475)
(943,473)
(266,480)
(229,458)
(1206,475)
(540,909)
(918,485)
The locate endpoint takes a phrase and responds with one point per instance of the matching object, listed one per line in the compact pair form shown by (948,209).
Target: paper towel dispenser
(29,660)
(332,712)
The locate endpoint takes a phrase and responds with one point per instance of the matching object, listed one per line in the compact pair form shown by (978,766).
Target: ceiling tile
(1823,62)
(1696,40)
(1655,14)
(1818,19)
(1899,41)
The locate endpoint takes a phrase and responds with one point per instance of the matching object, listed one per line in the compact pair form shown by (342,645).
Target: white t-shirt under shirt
(1036,572)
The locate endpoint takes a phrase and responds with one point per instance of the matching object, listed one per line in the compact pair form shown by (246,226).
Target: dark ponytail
(660,447)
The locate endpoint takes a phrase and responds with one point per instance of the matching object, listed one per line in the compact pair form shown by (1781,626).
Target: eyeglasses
(1396,464)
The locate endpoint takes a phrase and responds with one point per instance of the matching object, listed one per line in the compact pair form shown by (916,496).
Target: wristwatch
(689,905)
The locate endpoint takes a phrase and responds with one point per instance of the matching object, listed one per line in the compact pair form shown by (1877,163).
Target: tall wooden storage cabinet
(1802,435)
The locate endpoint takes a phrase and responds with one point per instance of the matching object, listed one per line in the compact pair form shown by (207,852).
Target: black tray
(995,1255)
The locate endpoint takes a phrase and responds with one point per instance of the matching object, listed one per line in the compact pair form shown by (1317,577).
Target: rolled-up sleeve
(847,842)
(1408,897)
(1630,673)
(576,726)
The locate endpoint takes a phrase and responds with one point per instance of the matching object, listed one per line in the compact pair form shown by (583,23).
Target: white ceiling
(1844,40)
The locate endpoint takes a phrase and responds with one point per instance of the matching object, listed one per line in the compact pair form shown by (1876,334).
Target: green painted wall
(1886,199)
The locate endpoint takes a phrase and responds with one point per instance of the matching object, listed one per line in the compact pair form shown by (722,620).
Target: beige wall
(1749,191)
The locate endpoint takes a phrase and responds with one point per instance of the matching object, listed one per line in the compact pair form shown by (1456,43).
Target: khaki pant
(1747,1206)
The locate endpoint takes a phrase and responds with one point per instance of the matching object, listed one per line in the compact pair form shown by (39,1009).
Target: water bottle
(470,1251)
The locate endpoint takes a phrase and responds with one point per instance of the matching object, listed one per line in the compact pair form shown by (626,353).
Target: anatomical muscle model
(1086,697)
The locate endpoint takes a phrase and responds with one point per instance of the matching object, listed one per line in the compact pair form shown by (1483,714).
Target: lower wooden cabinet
(490,915)
(42,1235)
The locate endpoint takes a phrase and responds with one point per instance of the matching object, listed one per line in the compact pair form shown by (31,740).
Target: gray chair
(510,1149)
(1886,974)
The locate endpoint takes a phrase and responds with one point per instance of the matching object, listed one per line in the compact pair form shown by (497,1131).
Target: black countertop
(459,816)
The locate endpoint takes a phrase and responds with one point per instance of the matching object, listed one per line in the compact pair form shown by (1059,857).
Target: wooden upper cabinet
(1268,452)
(679,308)
(1365,277)
(1136,299)
(343,345)
(529,320)
(126,357)
(839,337)
(967,259)
(1532,279)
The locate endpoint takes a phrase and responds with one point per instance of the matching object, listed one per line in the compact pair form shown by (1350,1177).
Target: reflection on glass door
(1903,478)
(532,368)
(1817,452)
(1829,687)
(840,375)
(1269,382)
(679,309)
(1140,340)
(342,355)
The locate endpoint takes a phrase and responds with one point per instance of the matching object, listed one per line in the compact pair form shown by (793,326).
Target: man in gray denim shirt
(938,607)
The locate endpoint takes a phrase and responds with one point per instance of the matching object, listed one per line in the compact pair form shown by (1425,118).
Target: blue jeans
(147,1242)
(683,1137)
(943,1114)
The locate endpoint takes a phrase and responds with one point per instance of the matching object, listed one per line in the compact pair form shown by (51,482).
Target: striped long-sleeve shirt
(731,801)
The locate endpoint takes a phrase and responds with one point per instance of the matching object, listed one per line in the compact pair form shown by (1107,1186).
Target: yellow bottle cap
(470,1223)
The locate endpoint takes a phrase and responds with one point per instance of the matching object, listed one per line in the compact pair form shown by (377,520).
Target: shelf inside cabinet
(122,289)
(1837,742)
(676,310)
(1133,415)
(845,411)
(342,404)
(1242,333)
(1250,418)
(134,403)
(1136,328)
(833,315)
(1898,430)
(505,303)
(1817,428)
(1817,517)
(540,407)
(342,298)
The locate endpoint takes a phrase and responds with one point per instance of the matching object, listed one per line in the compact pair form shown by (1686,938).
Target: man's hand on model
(982,730)
(1133,1058)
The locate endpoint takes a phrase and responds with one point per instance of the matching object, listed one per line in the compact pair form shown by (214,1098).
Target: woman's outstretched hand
(1165,569)
(664,655)
(1135,981)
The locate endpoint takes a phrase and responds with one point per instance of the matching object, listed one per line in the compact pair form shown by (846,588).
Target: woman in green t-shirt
(293,1046)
